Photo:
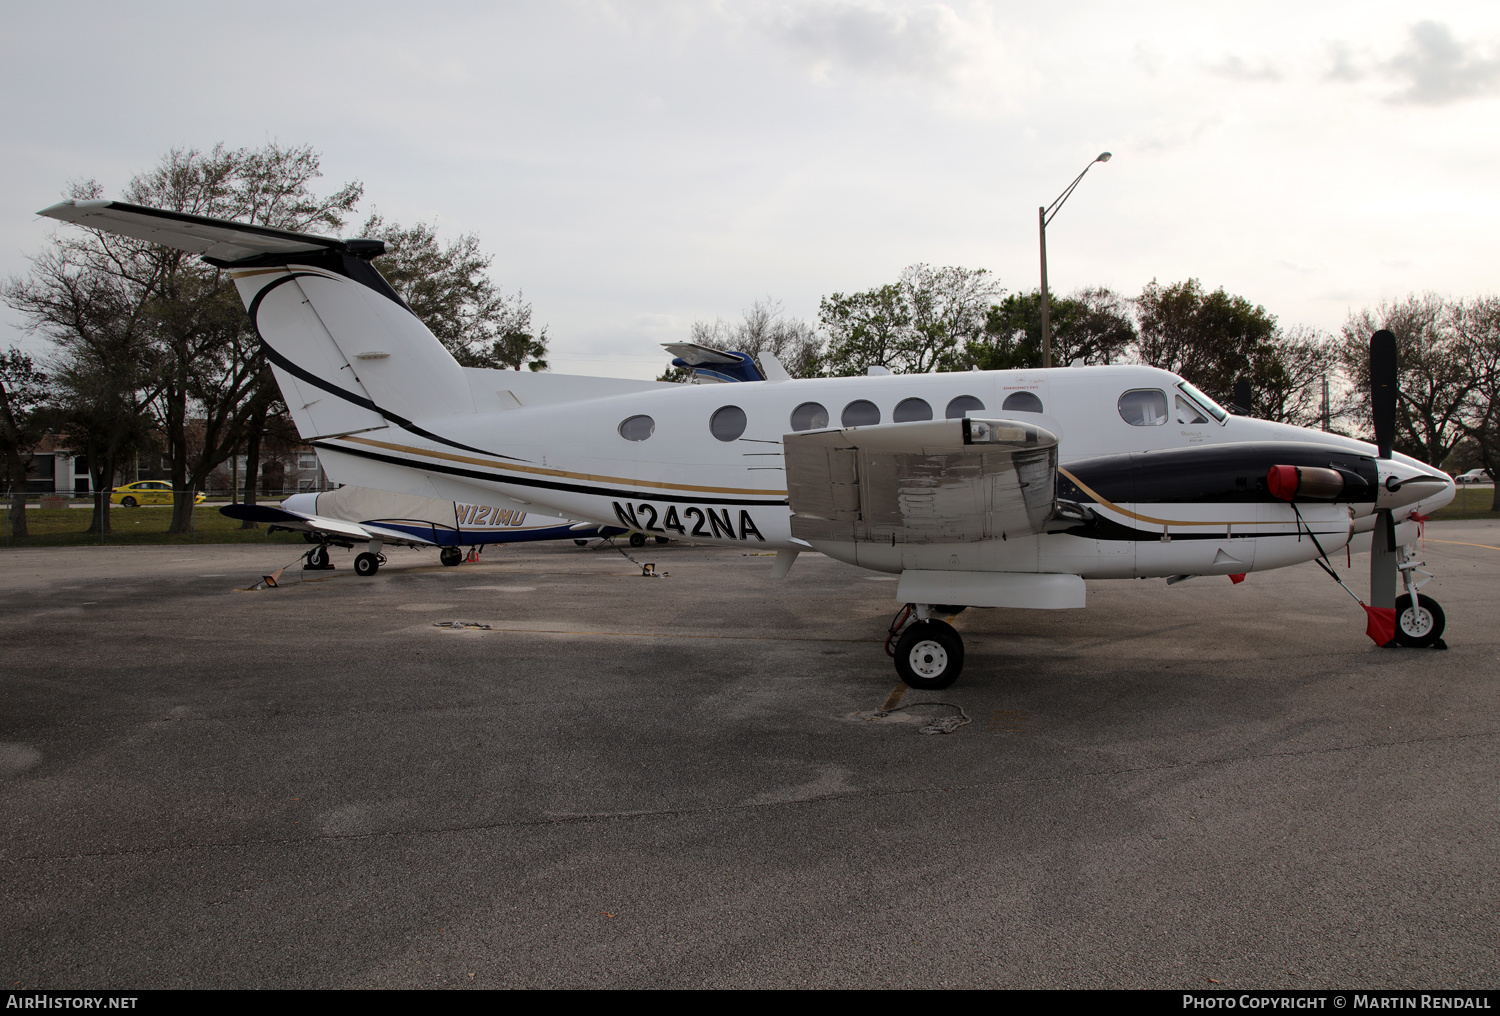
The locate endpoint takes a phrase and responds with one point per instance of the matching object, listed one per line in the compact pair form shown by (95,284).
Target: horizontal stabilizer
(197,234)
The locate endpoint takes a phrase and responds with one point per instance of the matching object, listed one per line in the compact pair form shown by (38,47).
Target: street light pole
(1044,216)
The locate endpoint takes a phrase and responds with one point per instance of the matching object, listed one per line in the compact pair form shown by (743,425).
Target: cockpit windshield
(1217,411)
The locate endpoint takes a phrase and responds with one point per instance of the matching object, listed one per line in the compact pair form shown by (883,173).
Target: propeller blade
(1242,397)
(1383,408)
(1383,389)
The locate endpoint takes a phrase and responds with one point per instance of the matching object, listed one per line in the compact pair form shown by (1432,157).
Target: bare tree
(766,329)
(1440,372)
(1477,323)
(448,288)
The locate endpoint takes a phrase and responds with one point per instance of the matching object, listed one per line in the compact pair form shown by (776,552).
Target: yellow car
(133,495)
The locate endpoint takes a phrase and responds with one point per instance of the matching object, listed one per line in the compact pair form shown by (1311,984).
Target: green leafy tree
(922,323)
(448,288)
(183,316)
(1092,325)
(22,389)
(1211,339)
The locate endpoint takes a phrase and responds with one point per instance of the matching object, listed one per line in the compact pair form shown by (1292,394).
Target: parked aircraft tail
(347,351)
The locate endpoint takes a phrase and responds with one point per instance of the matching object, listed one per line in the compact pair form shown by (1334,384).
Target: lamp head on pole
(1104,157)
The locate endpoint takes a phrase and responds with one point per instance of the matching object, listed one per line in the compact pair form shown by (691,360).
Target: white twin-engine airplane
(984,489)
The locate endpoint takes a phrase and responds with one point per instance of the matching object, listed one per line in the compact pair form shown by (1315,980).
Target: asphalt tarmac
(679,782)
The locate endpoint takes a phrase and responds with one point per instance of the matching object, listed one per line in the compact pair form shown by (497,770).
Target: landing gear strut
(1423,625)
(929,653)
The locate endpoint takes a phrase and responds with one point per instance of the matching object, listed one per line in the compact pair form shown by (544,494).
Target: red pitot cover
(1382,626)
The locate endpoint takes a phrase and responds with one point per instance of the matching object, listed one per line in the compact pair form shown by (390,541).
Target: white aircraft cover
(215,238)
(932,481)
(363,503)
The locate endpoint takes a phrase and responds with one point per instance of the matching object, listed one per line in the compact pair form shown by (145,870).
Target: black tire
(127,502)
(1420,627)
(637,540)
(663,539)
(929,655)
(317,557)
(451,556)
(581,543)
(366,564)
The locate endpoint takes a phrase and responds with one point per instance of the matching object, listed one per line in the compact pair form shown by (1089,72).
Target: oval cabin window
(962,405)
(809,416)
(727,424)
(860,413)
(908,410)
(637,428)
(1022,402)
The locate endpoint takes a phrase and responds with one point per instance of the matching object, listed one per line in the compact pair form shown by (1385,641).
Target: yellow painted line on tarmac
(894,699)
(1460,543)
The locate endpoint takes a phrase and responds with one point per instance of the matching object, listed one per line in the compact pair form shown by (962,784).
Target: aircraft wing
(932,481)
(215,238)
(300,521)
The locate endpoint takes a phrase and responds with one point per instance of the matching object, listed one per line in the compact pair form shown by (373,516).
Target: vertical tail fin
(347,351)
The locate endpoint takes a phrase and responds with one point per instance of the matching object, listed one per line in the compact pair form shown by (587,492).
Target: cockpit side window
(1144,407)
(1187,412)
(1215,410)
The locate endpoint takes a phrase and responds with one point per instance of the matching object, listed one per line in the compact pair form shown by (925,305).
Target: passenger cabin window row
(728,423)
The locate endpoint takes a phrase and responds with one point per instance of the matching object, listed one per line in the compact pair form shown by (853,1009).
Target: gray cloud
(1442,69)
(867,37)
(1343,65)
(1236,69)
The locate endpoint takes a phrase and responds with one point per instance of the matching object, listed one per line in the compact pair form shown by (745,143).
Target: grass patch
(1469,503)
(66,527)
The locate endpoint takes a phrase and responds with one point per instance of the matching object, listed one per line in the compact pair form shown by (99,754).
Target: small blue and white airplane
(378,518)
(983,489)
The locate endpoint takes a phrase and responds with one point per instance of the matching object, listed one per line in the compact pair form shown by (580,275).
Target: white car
(1473,476)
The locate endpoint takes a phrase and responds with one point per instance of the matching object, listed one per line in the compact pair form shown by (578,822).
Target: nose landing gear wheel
(366,565)
(929,655)
(451,556)
(1422,626)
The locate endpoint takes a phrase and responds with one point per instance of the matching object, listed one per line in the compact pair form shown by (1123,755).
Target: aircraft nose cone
(1405,484)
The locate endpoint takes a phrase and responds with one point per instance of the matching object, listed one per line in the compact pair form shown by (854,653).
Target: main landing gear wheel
(580,543)
(451,556)
(929,655)
(317,557)
(127,502)
(366,565)
(637,539)
(1420,627)
(663,539)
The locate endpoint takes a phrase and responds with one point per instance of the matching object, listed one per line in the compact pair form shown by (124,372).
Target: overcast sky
(633,167)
